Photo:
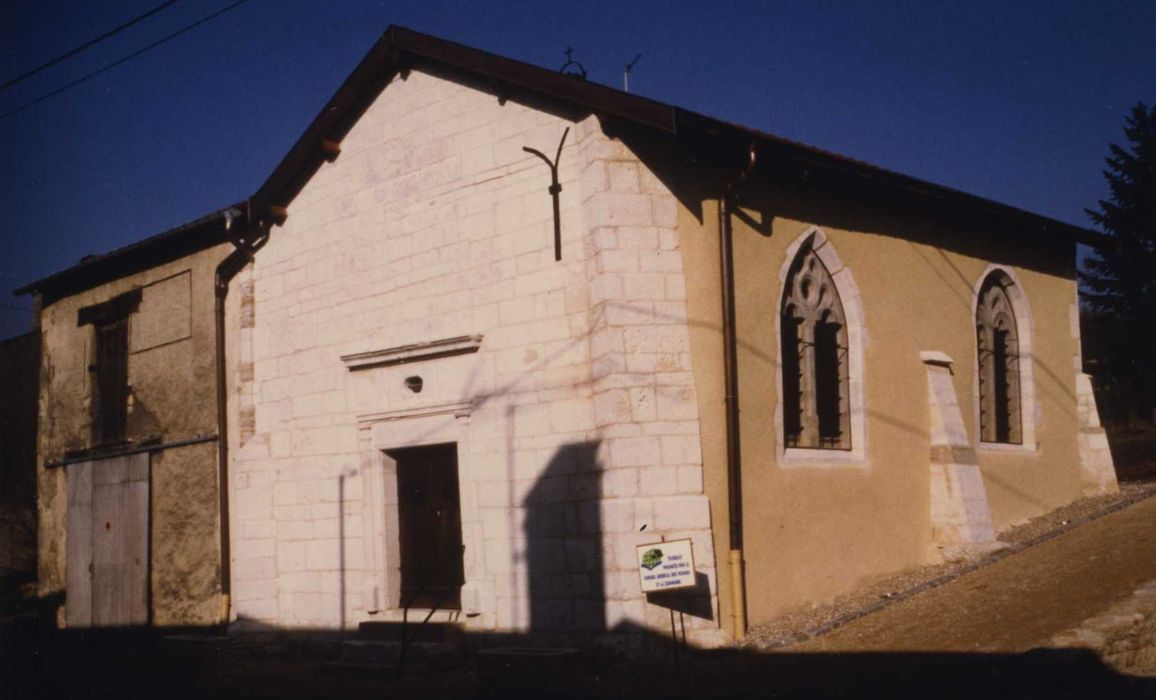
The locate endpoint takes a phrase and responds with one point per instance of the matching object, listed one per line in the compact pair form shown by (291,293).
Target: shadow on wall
(570,558)
(564,544)
(789,189)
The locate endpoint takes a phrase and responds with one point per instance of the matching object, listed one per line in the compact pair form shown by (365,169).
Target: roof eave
(194,236)
(399,49)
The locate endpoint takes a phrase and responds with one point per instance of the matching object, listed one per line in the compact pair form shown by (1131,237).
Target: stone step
(367,657)
(349,668)
(391,630)
(388,653)
(513,668)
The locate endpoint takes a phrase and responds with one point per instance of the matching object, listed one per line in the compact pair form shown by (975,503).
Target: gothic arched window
(997,343)
(816,386)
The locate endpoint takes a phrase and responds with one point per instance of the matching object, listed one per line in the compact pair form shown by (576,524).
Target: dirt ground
(867,599)
(1020,601)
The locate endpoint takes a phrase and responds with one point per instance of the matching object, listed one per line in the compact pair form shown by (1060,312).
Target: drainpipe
(730,369)
(247,240)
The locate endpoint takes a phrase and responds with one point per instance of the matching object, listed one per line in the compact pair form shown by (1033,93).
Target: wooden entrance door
(108,557)
(430,526)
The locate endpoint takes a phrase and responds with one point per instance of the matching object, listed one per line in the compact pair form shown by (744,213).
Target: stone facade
(575,418)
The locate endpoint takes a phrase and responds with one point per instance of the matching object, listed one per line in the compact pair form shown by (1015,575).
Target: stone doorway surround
(391,430)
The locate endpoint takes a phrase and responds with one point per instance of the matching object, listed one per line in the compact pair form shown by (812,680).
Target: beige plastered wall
(172,374)
(815,531)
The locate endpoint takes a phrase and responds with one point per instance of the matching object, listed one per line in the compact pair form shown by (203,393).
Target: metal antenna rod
(626,73)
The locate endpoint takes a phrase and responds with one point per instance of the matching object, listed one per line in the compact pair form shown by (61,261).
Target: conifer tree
(1119,281)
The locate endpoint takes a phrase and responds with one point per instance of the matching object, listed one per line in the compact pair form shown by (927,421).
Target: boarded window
(110,364)
(165,313)
(997,345)
(816,386)
(111,382)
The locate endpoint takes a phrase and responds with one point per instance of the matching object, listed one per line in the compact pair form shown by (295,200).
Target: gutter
(731,380)
(246,242)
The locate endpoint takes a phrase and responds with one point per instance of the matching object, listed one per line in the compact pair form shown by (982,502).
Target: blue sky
(1015,101)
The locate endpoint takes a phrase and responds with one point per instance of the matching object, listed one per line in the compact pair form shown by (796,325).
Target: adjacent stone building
(19,393)
(128,496)
(487,328)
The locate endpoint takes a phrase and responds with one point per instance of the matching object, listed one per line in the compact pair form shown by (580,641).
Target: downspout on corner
(730,369)
(247,240)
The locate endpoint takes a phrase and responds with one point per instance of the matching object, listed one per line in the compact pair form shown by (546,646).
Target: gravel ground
(808,624)
(1123,635)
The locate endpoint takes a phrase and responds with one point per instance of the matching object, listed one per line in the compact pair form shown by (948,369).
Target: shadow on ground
(150,664)
(1134,452)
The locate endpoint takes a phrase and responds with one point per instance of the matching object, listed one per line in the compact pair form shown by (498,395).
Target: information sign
(666,566)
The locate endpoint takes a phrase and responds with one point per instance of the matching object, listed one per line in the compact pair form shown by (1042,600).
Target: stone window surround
(1029,411)
(795,457)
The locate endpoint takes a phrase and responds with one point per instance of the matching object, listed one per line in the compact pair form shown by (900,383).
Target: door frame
(393,430)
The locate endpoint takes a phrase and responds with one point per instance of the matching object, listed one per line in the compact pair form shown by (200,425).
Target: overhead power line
(86,45)
(126,59)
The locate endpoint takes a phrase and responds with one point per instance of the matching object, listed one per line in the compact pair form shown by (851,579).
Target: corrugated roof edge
(182,240)
(398,46)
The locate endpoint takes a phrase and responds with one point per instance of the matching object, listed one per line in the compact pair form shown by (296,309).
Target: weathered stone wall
(1097,468)
(575,419)
(171,371)
(186,571)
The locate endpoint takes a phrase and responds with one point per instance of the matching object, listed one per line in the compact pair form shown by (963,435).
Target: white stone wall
(1097,470)
(961,523)
(576,420)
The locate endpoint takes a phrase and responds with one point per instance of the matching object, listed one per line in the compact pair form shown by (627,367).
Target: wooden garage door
(108,506)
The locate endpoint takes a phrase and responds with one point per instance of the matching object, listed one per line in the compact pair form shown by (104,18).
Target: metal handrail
(405,640)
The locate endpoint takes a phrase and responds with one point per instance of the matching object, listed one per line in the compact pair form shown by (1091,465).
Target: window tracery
(815,377)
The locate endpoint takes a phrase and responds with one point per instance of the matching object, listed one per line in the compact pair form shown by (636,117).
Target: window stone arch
(1003,361)
(820,410)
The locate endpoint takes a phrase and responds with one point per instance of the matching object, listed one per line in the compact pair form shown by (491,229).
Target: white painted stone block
(634,452)
(682,512)
(676,403)
(658,481)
